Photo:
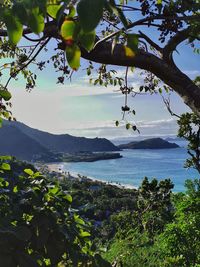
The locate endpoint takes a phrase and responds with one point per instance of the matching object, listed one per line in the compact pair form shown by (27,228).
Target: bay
(137,164)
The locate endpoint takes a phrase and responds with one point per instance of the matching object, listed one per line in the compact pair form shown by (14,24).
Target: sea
(130,170)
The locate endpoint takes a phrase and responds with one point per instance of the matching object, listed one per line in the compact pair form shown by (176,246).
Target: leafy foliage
(181,238)
(148,227)
(175,244)
(154,203)
(82,28)
(134,250)
(37,226)
(189,129)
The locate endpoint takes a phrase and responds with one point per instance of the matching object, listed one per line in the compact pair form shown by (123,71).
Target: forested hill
(22,141)
(152,143)
(14,142)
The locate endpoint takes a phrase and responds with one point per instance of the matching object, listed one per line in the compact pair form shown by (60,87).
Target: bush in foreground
(37,226)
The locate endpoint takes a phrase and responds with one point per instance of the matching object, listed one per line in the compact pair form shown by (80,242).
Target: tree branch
(174,41)
(150,42)
(173,77)
(28,63)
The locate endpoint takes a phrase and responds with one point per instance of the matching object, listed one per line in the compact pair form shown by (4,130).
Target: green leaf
(36,20)
(72,12)
(6,95)
(54,190)
(5,167)
(53,9)
(132,41)
(68,29)
(90,13)
(14,27)
(122,17)
(5,158)
(20,11)
(29,172)
(118,12)
(68,198)
(87,40)
(84,234)
(78,220)
(73,54)
(15,189)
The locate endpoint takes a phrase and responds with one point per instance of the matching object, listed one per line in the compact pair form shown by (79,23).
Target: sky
(81,109)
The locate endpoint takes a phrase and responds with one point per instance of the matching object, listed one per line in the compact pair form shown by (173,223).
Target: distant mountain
(153,143)
(19,140)
(15,143)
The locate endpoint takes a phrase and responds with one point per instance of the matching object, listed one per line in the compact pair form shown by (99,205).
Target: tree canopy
(103,31)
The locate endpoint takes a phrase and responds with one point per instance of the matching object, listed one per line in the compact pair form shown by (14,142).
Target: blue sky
(84,110)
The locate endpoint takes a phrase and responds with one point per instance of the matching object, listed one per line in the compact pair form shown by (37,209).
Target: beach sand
(58,168)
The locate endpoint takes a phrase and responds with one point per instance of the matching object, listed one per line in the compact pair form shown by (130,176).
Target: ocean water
(136,164)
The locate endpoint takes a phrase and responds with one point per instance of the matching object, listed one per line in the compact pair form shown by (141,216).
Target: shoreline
(58,168)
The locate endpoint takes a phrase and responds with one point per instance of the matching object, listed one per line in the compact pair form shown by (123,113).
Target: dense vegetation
(143,33)
(45,222)
(37,225)
(51,222)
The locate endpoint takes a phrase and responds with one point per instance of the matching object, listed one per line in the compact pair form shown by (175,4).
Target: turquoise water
(136,164)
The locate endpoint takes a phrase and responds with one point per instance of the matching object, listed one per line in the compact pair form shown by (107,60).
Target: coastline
(58,168)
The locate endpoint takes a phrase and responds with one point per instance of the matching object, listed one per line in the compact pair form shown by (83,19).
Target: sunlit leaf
(14,27)
(68,198)
(73,54)
(84,234)
(53,9)
(129,52)
(6,95)
(29,172)
(5,167)
(67,30)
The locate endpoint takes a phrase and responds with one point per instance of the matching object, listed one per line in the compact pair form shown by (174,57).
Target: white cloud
(109,130)
(192,73)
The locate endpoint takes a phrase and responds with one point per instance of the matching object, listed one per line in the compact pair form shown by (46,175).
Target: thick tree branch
(150,42)
(174,41)
(168,73)
(148,21)
(173,77)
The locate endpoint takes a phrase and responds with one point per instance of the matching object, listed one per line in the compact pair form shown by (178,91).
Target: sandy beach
(55,167)
(58,168)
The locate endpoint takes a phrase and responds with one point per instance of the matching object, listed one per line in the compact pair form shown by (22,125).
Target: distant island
(26,143)
(153,143)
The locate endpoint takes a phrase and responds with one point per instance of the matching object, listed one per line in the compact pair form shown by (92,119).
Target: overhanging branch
(174,41)
(173,77)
